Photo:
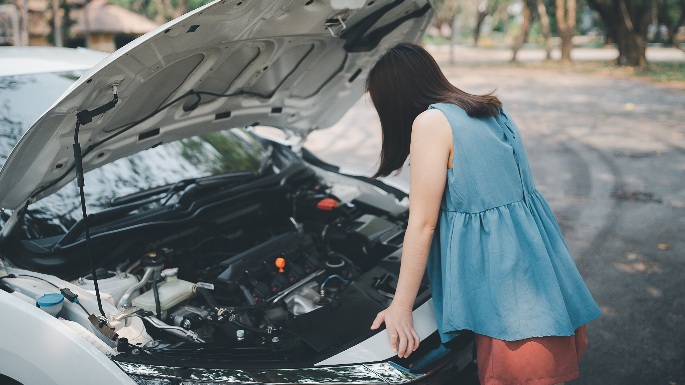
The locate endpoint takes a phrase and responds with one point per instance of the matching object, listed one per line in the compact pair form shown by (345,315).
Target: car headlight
(369,374)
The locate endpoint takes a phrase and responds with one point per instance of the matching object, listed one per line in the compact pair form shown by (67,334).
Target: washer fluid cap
(51,303)
(171,272)
(51,299)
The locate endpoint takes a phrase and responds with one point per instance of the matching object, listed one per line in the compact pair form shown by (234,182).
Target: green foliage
(220,152)
(664,72)
(194,4)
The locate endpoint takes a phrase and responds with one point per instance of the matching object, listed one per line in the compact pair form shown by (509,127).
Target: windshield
(22,101)
(223,152)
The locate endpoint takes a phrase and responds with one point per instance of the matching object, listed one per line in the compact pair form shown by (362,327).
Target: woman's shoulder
(451,110)
(431,126)
(430,120)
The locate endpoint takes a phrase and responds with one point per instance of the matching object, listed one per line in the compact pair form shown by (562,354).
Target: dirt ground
(609,155)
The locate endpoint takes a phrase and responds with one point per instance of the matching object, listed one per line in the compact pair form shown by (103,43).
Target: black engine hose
(208,297)
(158,306)
(248,295)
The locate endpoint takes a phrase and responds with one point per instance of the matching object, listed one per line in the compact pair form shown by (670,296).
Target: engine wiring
(34,277)
(325,281)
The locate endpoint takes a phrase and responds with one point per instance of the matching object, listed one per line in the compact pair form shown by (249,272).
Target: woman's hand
(400,326)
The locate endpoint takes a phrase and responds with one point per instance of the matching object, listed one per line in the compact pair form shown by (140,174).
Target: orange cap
(280,263)
(327,204)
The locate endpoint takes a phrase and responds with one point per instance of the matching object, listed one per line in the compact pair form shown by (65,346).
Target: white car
(209,254)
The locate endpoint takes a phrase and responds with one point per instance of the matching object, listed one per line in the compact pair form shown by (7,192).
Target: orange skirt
(533,361)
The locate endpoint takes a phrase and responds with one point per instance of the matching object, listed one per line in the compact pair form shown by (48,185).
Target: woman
(496,260)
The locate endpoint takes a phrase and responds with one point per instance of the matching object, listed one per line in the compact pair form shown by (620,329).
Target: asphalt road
(609,156)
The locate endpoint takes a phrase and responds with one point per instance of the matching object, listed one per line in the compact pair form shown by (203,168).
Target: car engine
(325,254)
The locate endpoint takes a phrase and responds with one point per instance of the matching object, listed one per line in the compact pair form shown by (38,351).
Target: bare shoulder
(432,122)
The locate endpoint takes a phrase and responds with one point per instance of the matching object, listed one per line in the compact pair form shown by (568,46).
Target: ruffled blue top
(498,264)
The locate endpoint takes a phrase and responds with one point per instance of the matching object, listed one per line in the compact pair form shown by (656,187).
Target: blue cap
(50,299)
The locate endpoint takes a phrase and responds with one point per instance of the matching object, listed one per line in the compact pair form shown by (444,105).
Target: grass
(662,72)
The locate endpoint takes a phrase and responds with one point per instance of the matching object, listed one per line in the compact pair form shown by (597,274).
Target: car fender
(38,349)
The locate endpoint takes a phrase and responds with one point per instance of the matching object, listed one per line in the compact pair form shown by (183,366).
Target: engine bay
(304,276)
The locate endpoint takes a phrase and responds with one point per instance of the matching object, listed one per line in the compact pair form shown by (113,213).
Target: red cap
(327,204)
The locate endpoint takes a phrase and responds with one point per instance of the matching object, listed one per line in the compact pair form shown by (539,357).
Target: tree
(671,14)
(485,8)
(544,24)
(566,22)
(57,23)
(483,12)
(626,21)
(446,13)
(22,5)
(160,10)
(523,33)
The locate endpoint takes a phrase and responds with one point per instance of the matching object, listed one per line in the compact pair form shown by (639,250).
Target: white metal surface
(16,61)
(377,348)
(38,349)
(277,57)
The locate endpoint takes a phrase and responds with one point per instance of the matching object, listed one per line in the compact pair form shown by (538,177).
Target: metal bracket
(329,24)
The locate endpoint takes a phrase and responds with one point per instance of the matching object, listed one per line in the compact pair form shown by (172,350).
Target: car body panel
(377,348)
(38,349)
(276,63)
(15,61)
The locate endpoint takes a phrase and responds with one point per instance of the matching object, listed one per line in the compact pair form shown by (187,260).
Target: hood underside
(293,64)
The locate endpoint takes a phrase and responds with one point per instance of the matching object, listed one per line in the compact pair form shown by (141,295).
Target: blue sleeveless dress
(498,264)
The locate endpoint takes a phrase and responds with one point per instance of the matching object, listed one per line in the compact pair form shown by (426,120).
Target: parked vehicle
(194,251)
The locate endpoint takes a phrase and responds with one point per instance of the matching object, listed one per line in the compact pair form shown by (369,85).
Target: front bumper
(441,366)
(376,373)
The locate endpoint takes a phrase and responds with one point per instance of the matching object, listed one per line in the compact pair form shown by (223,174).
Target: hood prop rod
(84,117)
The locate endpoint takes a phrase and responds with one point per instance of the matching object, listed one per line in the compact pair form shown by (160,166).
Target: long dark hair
(404,81)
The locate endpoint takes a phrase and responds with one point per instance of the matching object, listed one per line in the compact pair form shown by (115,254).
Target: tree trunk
(182,7)
(453,24)
(632,47)
(525,27)
(86,25)
(626,22)
(24,22)
(57,23)
(479,22)
(566,20)
(160,17)
(544,23)
(631,33)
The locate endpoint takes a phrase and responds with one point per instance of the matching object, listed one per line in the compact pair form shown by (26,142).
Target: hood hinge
(14,219)
(302,136)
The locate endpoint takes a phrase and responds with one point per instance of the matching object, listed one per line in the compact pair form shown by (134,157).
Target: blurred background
(552,29)
(597,88)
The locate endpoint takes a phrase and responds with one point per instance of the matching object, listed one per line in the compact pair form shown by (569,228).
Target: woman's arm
(431,145)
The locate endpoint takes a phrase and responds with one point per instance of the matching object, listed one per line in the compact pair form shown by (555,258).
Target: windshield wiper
(110,213)
(136,196)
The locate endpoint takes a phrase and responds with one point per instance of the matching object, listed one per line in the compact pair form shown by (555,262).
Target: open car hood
(298,65)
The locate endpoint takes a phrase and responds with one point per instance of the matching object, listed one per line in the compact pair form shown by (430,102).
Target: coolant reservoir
(171,292)
(110,282)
